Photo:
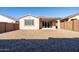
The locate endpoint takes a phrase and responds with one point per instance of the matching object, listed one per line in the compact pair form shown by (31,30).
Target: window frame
(28,23)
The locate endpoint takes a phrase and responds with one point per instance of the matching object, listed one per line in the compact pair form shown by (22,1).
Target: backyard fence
(6,27)
(70,25)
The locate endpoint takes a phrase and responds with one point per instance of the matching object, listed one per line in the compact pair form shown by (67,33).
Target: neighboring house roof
(11,18)
(8,16)
(70,16)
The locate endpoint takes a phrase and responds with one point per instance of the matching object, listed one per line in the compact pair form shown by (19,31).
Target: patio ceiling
(48,19)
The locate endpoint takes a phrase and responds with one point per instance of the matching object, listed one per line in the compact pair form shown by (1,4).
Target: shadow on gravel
(50,45)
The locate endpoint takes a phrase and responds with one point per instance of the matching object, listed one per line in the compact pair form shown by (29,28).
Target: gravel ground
(39,34)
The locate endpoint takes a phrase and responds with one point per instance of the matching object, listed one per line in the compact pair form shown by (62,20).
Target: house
(72,17)
(38,22)
(29,22)
(7,19)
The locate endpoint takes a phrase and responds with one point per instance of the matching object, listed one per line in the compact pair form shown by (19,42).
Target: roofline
(8,17)
(40,17)
(70,16)
(27,15)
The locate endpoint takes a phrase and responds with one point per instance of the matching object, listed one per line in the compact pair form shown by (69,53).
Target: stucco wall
(76,17)
(35,26)
(6,19)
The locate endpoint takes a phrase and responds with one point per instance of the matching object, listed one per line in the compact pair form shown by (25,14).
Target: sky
(60,12)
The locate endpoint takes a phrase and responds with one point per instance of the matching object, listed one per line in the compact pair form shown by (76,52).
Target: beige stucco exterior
(31,27)
(58,24)
(39,23)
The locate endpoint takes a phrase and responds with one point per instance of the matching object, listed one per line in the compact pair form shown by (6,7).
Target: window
(29,22)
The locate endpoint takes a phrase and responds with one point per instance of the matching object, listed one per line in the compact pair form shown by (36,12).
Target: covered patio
(49,23)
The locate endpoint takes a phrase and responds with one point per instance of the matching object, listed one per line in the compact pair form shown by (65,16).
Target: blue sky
(17,12)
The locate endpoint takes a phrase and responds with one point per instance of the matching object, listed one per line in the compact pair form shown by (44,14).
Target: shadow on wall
(50,45)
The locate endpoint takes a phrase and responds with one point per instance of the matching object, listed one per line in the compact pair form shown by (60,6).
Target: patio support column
(58,24)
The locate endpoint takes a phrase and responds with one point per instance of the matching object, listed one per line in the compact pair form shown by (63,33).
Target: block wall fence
(70,25)
(6,27)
